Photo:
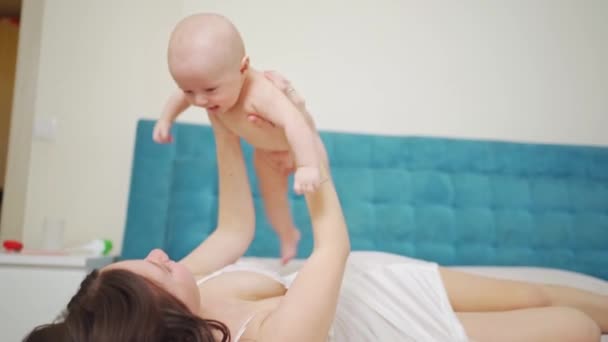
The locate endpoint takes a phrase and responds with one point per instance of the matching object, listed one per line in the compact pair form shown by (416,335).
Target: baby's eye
(188,92)
(211,90)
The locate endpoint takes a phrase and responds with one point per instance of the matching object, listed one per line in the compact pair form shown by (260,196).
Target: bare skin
(489,309)
(208,62)
(559,312)
(504,310)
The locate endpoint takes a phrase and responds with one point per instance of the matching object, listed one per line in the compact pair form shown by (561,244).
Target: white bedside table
(34,289)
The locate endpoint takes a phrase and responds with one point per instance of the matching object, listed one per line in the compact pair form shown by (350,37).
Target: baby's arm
(274,106)
(176,104)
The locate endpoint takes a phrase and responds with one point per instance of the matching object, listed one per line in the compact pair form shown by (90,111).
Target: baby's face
(215,90)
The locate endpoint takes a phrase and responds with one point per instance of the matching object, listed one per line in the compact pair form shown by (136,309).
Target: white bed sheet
(531,274)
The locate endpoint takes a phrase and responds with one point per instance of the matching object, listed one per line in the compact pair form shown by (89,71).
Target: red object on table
(12,245)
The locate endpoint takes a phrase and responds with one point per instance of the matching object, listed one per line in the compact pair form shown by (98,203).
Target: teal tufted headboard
(457,202)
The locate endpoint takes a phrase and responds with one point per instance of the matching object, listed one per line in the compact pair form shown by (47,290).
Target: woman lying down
(335,296)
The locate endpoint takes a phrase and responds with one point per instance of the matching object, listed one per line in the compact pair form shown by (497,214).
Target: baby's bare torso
(264,136)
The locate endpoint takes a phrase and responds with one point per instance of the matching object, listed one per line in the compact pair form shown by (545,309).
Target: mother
(336,295)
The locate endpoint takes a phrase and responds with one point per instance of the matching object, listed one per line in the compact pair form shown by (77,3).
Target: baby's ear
(244,64)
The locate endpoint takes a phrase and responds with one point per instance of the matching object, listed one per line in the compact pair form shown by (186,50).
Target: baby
(207,60)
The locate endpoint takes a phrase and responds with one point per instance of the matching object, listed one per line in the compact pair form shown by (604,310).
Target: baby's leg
(273,184)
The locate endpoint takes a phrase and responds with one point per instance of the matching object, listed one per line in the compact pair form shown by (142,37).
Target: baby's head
(207,60)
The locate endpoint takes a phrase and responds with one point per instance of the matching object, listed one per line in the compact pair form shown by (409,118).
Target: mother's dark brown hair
(119,305)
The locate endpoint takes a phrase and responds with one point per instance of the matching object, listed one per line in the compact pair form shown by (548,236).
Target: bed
(537,212)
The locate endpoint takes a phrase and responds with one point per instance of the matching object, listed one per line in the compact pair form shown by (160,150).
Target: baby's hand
(307,179)
(162,132)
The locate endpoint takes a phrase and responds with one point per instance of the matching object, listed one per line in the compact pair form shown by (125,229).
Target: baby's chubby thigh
(272,170)
(275,162)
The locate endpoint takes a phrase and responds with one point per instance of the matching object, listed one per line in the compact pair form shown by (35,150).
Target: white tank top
(384,297)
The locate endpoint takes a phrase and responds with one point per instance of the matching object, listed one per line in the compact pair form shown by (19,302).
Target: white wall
(101,67)
(523,70)
(23,109)
(508,70)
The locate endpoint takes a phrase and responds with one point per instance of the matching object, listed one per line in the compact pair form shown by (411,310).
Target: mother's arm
(236,216)
(307,310)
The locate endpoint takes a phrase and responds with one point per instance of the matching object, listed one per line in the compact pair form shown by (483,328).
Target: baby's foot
(289,245)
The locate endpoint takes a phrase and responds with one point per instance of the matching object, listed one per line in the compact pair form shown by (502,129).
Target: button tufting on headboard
(457,202)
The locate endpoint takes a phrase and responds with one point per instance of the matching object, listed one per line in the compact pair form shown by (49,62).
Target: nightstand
(34,289)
